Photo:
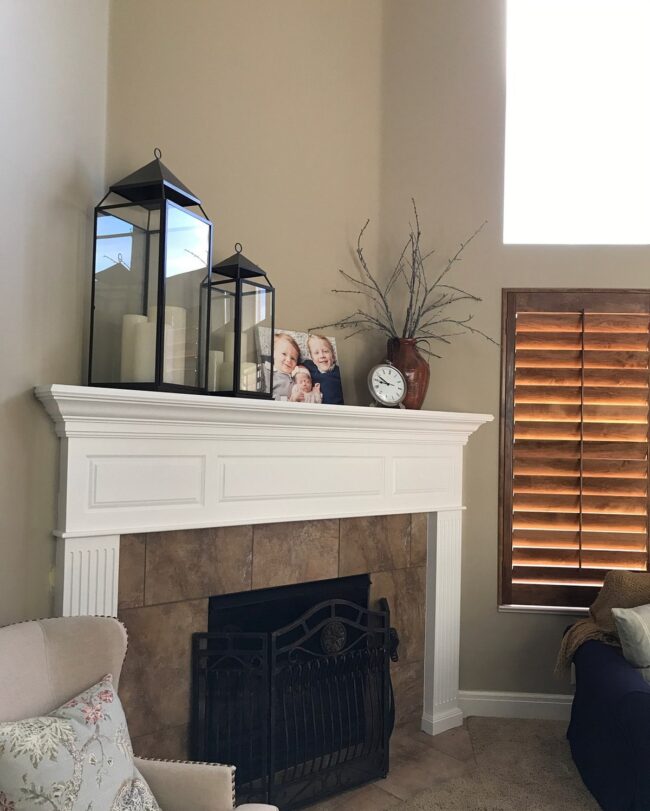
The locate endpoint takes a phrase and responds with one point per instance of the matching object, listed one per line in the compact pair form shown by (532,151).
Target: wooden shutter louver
(575,434)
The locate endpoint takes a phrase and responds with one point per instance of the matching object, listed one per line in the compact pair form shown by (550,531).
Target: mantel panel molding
(134,461)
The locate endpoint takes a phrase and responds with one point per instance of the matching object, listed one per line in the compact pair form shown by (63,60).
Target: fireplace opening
(292,685)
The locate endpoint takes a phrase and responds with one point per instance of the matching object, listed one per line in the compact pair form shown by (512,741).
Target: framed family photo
(305,366)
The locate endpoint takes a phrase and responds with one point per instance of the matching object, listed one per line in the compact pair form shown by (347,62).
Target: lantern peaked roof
(238,265)
(153,182)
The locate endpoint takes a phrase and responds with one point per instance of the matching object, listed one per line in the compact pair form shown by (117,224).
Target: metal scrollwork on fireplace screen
(306,717)
(333,637)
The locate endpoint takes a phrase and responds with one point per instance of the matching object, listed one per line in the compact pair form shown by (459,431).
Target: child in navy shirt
(324,369)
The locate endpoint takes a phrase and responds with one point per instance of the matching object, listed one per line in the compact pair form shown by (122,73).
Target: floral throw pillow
(77,758)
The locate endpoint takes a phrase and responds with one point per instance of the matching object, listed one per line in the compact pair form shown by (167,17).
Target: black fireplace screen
(303,712)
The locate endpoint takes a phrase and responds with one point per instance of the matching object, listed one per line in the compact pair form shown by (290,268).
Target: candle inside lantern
(175,338)
(248,377)
(144,351)
(129,323)
(215,364)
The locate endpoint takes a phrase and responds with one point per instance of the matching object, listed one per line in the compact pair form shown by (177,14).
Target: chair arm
(184,786)
(604,677)
(257,807)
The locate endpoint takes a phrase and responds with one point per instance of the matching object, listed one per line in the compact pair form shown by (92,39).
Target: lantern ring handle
(238,247)
(157,153)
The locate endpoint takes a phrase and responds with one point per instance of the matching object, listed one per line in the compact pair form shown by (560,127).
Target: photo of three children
(305,368)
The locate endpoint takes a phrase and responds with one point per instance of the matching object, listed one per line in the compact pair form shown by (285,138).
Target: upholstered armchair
(44,663)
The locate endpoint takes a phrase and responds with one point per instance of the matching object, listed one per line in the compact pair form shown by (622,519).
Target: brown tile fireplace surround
(166,500)
(166,579)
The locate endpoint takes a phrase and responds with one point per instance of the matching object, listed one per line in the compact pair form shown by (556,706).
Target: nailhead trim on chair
(155,760)
(199,763)
(190,762)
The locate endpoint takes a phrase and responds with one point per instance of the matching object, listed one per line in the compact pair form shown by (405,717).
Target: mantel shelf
(82,410)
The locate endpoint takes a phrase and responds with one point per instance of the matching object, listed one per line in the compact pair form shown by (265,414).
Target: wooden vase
(404,354)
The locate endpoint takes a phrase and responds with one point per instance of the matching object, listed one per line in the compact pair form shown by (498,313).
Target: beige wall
(52,138)
(294,121)
(443,130)
(270,113)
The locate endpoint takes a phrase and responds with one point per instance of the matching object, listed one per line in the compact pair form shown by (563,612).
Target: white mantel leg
(87,570)
(442,631)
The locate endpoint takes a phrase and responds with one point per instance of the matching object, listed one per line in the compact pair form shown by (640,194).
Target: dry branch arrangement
(426,318)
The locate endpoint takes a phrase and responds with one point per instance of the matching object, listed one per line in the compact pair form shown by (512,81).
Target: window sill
(566,611)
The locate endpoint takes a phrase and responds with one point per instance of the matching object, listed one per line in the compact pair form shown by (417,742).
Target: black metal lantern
(149,325)
(242,320)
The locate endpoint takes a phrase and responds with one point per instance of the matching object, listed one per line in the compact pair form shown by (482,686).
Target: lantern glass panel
(126,266)
(256,321)
(222,337)
(187,247)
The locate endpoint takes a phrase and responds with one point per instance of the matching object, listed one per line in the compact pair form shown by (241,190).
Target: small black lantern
(242,320)
(149,325)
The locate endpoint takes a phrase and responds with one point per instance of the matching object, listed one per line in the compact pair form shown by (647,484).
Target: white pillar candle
(129,323)
(144,352)
(215,361)
(175,338)
(175,356)
(248,377)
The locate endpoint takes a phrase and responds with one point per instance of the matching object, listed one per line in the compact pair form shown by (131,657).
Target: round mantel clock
(387,386)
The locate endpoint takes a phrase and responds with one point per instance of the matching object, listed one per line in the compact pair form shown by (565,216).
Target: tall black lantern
(242,319)
(149,319)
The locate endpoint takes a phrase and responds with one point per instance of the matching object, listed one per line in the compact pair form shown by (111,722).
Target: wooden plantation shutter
(574,442)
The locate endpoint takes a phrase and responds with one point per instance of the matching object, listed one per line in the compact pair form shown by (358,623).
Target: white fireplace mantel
(135,461)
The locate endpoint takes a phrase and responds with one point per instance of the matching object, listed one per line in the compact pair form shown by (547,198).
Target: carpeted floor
(520,765)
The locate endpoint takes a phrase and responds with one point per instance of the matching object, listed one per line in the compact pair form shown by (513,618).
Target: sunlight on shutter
(579,450)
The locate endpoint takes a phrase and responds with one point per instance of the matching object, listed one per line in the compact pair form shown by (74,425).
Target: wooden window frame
(544,300)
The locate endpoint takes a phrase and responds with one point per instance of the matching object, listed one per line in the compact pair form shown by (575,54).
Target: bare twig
(425,316)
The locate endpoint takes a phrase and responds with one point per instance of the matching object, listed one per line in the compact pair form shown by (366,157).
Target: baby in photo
(303,389)
(324,369)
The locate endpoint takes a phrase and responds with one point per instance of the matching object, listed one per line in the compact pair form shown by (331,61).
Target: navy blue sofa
(609,731)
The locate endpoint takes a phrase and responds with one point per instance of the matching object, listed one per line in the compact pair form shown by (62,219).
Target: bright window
(577,157)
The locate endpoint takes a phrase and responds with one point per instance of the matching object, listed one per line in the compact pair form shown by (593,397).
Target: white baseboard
(515,705)
(441,722)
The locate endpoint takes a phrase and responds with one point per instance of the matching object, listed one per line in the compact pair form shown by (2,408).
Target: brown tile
(131,585)
(374,544)
(421,769)
(156,678)
(367,798)
(188,564)
(294,552)
(408,686)
(165,744)
(405,591)
(454,742)
(419,539)
(409,741)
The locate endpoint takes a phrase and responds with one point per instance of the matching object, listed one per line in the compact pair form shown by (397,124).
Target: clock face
(387,385)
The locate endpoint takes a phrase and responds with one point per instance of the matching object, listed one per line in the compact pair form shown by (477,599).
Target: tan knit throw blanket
(620,590)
